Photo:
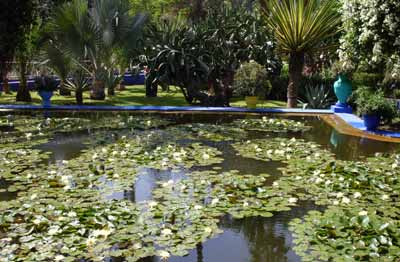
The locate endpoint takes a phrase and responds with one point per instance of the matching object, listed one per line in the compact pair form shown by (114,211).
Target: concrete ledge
(358,123)
(164,109)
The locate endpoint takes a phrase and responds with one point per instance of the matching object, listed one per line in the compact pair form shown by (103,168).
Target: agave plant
(91,38)
(319,96)
(301,26)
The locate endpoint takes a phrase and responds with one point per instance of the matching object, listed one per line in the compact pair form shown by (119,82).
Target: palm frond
(300,25)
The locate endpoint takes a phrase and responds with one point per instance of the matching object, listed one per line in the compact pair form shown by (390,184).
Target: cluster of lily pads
(65,211)
(266,124)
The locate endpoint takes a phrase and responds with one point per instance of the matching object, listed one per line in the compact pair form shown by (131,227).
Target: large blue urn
(342,88)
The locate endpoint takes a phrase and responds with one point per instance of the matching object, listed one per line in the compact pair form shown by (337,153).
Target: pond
(192,187)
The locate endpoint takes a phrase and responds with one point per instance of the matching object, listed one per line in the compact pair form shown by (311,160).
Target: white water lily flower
(123,153)
(71,214)
(137,246)
(95,156)
(183,187)
(206,156)
(152,204)
(346,200)
(363,213)
(292,200)
(357,195)
(75,223)
(127,145)
(28,135)
(339,195)
(33,196)
(91,241)
(114,153)
(104,150)
(59,258)
(208,230)
(38,220)
(275,184)
(198,207)
(53,230)
(245,204)
(163,254)
(214,201)
(336,202)
(385,197)
(166,232)
(318,180)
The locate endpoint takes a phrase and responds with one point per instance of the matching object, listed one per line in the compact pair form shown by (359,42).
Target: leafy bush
(251,79)
(370,102)
(45,83)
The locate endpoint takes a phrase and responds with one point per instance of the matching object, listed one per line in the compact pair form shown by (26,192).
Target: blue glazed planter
(371,122)
(46,96)
(343,89)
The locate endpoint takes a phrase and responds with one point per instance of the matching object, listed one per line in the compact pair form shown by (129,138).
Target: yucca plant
(301,26)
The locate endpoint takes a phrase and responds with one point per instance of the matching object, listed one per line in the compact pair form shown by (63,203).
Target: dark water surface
(252,239)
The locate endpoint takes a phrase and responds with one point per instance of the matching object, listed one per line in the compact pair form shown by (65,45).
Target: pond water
(252,238)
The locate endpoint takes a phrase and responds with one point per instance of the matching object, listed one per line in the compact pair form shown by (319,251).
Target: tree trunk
(23,94)
(6,86)
(151,88)
(296,63)
(111,91)
(97,92)
(79,97)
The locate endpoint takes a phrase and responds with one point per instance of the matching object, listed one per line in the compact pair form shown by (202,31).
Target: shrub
(370,102)
(251,79)
(45,83)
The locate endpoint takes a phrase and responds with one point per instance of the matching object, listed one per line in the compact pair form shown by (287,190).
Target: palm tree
(91,38)
(301,26)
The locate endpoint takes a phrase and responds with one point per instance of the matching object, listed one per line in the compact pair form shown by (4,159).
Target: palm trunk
(23,94)
(97,92)
(6,86)
(79,96)
(296,64)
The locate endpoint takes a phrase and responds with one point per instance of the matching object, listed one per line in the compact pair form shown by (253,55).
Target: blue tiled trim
(351,119)
(167,109)
(358,123)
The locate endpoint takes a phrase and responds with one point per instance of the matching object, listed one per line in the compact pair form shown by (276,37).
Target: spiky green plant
(92,38)
(301,26)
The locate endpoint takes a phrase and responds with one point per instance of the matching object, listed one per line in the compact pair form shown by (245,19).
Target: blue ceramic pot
(343,89)
(46,96)
(371,122)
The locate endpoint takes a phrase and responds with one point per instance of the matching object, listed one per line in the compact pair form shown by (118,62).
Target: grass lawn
(132,96)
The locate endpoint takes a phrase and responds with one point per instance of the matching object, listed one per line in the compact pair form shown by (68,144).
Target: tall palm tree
(301,26)
(92,37)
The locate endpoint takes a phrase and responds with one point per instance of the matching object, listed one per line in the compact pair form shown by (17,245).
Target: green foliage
(212,49)
(16,18)
(372,102)
(319,96)
(302,26)
(92,41)
(45,83)
(371,45)
(251,79)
